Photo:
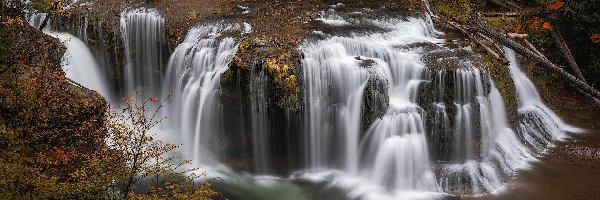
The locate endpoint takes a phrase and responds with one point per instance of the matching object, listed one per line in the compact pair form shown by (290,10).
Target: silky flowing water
(145,44)
(460,143)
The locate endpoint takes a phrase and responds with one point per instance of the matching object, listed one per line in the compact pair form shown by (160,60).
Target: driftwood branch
(506,41)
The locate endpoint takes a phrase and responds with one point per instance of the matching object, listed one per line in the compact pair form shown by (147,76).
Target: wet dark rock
(437,95)
(375,99)
(366,63)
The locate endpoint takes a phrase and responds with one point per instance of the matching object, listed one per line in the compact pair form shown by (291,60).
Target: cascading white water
(468,88)
(391,159)
(261,144)
(36,19)
(78,62)
(394,150)
(334,87)
(80,65)
(145,49)
(441,132)
(501,152)
(539,125)
(192,78)
(394,155)
(99,39)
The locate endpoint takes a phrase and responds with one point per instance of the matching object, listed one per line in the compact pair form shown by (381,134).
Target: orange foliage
(519,29)
(556,6)
(153,99)
(546,26)
(61,155)
(595,38)
(534,24)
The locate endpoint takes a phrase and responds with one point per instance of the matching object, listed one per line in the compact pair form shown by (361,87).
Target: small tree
(147,160)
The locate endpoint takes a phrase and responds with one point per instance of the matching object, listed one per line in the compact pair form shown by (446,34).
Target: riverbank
(571,169)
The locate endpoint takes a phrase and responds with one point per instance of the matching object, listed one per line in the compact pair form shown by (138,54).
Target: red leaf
(556,6)
(155,99)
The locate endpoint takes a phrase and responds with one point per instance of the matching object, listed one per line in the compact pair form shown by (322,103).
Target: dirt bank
(570,170)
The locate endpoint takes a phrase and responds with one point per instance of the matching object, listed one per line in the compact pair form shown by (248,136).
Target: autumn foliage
(59,140)
(50,129)
(595,38)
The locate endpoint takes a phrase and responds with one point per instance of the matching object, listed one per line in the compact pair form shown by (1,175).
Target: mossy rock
(282,67)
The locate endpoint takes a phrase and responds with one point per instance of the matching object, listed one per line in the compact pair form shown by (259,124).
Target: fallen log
(506,4)
(506,41)
(470,36)
(517,35)
(534,49)
(495,45)
(562,45)
(497,14)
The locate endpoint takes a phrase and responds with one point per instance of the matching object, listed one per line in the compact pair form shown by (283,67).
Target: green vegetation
(458,10)
(501,75)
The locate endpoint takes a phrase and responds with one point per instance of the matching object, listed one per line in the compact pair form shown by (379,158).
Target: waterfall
(539,125)
(396,152)
(192,78)
(36,19)
(393,152)
(441,133)
(80,65)
(260,125)
(459,141)
(145,49)
(501,152)
(334,87)
(468,88)
(99,38)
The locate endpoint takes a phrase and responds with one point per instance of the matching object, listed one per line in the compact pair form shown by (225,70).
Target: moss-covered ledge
(282,67)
